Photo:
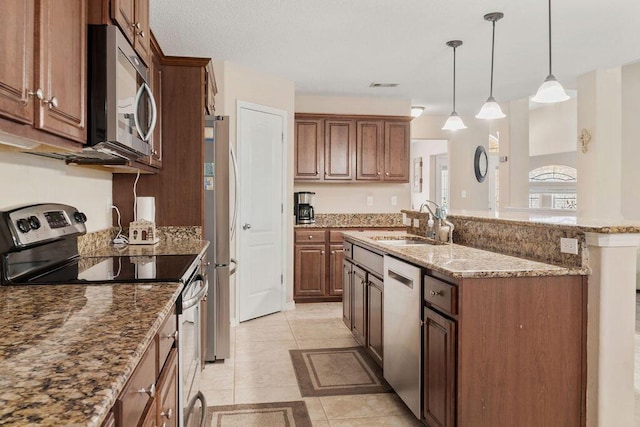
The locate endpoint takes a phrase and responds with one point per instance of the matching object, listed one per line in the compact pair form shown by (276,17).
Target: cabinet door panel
(16,67)
(336,256)
(142,34)
(369,151)
(439,370)
(168,393)
(338,149)
(63,68)
(346,293)
(396,151)
(309,150)
(309,266)
(359,304)
(123,12)
(374,318)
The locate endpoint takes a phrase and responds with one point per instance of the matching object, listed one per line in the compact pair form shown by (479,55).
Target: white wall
(350,197)
(238,83)
(25,178)
(553,128)
(425,148)
(631,142)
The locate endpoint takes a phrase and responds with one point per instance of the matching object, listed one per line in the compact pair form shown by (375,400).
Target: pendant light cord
(550,37)
(454,79)
(493,43)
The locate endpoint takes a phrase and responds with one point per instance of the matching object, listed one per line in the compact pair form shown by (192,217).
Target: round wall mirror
(480,163)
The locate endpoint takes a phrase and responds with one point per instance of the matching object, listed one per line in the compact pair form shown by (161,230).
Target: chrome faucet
(438,212)
(441,219)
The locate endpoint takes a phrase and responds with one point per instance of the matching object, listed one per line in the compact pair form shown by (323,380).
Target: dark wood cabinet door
(359,304)
(396,151)
(123,12)
(62,68)
(142,32)
(369,150)
(167,393)
(309,270)
(336,256)
(16,66)
(374,318)
(339,138)
(309,150)
(150,418)
(347,272)
(439,373)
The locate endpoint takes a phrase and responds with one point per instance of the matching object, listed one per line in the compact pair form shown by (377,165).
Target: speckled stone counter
(66,351)
(98,240)
(390,220)
(461,261)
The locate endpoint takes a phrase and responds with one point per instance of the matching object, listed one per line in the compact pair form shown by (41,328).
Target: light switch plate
(569,246)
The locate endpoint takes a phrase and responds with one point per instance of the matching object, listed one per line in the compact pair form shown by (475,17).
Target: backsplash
(357,220)
(537,242)
(100,239)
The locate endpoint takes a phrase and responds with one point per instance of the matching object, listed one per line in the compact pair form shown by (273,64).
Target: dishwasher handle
(400,278)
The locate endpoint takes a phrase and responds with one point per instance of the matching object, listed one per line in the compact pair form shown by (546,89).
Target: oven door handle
(188,303)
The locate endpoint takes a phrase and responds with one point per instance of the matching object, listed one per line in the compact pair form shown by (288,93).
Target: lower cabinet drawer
(167,336)
(441,294)
(372,261)
(139,390)
(310,236)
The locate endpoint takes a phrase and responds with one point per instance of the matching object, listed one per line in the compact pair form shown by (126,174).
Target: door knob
(246,226)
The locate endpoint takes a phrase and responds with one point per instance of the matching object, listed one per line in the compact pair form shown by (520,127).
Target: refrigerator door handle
(235,266)
(234,219)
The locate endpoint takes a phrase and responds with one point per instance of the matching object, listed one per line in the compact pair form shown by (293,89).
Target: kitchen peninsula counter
(67,351)
(461,261)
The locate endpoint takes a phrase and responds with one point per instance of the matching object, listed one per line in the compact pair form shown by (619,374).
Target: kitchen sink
(406,240)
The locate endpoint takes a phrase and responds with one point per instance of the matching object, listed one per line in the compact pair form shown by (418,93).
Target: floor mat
(337,371)
(277,414)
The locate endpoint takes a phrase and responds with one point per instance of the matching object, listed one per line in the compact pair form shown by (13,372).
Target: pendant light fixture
(551,90)
(454,122)
(491,109)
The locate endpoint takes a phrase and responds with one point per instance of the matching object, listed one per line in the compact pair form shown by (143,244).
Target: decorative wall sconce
(585,139)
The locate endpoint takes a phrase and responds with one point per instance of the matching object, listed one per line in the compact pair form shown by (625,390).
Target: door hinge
(281,208)
(281,279)
(282,137)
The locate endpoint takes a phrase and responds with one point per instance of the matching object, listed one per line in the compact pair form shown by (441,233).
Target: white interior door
(260,229)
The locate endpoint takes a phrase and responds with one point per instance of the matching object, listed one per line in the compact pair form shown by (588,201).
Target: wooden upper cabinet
(309,149)
(369,150)
(16,67)
(62,68)
(132,16)
(396,151)
(339,141)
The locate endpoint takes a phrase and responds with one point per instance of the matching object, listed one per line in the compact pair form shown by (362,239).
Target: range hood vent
(105,153)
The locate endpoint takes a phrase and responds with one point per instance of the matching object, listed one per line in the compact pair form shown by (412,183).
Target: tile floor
(260,369)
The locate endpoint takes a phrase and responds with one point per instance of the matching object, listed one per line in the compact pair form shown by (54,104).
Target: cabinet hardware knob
(387,174)
(321,252)
(379,173)
(310,237)
(167,414)
(137,25)
(151,391)
(52,102)
(140,33)
(436,293)
(38,94)
(173,336)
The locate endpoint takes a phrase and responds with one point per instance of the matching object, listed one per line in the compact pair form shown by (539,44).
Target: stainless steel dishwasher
(401,319)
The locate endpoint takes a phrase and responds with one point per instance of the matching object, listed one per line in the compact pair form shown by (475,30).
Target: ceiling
(339,47)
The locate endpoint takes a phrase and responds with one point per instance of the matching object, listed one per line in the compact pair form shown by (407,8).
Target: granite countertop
(461,261)
(391,220)
(66,351)
(163,247)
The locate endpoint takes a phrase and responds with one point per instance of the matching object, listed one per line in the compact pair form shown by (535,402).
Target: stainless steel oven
(190,324)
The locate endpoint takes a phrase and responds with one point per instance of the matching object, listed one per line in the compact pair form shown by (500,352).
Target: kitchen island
(498,340)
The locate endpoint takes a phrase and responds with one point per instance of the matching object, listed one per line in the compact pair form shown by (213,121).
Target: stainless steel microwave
(122,110)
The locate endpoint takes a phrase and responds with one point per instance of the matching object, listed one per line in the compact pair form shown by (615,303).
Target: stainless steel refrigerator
(218,170)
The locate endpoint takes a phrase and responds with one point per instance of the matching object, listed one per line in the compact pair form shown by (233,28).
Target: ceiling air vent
(376,84)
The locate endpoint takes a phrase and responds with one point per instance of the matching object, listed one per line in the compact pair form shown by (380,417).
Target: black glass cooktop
(115,269)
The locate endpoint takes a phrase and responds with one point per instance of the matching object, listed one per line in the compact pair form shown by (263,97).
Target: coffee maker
(302,208)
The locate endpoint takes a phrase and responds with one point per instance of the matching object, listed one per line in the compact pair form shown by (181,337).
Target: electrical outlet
(369,200)
(463,194)
(568,246)
(394,200)
(416,222)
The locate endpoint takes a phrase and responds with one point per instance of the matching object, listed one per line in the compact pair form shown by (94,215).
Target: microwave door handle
(136,105)
(154,112)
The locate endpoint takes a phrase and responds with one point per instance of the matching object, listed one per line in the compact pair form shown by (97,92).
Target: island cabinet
(150,397)
(43,72)
(339,148)
(504,351)
(363,305)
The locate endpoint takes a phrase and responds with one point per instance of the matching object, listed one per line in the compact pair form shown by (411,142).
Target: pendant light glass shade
(416,111)
(454,122)
(491,109)
(550,90)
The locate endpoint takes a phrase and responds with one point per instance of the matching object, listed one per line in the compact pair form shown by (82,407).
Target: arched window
(553,187)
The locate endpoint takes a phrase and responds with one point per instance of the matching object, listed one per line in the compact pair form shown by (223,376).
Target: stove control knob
(34,222)
(80,217)
(23,225)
